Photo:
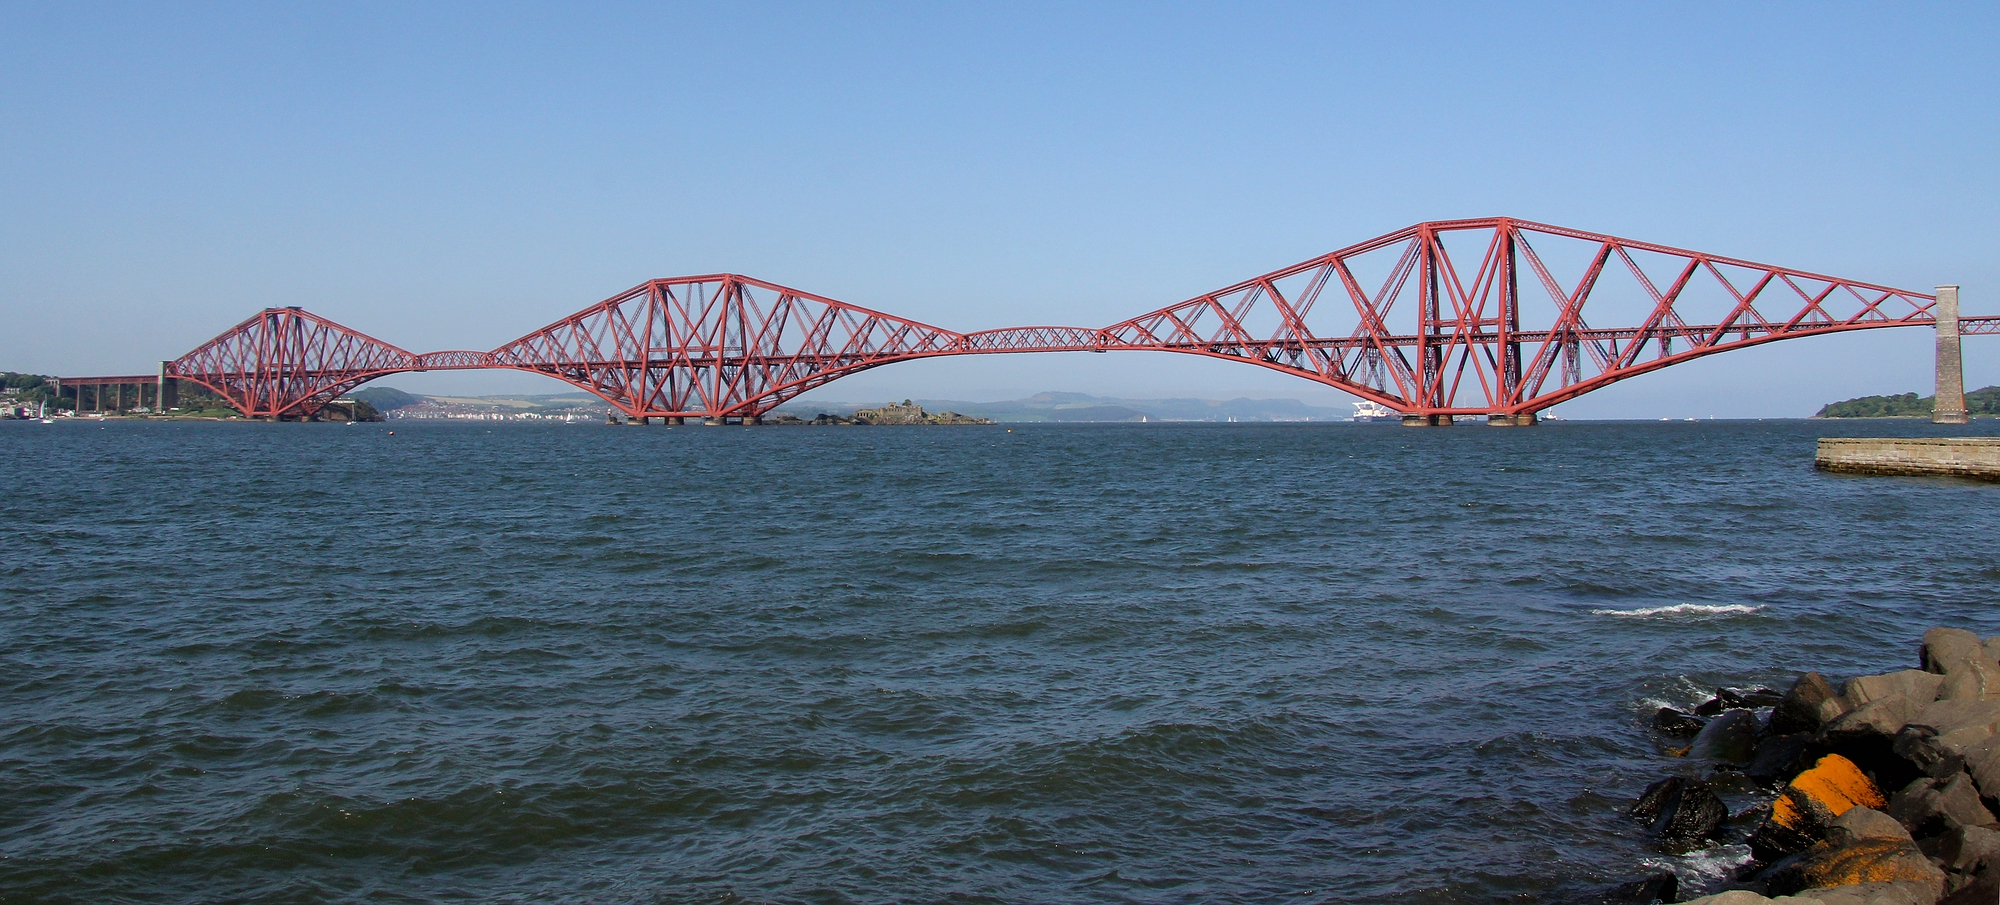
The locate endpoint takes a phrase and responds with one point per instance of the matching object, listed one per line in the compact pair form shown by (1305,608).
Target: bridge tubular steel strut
(1494,318)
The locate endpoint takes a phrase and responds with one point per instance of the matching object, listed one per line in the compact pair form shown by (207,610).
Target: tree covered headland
(34,389)
(1909,405)
(385,399)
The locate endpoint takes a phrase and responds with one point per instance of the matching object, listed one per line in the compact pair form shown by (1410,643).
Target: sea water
(1158,663)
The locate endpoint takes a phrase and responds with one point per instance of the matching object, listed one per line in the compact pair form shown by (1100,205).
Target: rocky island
(906,413)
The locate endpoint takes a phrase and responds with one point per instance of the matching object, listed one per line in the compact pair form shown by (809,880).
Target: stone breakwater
(1961,457)
(1883,791)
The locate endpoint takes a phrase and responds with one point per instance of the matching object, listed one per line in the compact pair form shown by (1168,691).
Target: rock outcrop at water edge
(1883,792)
(907,413)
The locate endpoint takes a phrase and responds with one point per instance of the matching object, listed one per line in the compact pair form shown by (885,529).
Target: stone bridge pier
(1950,365)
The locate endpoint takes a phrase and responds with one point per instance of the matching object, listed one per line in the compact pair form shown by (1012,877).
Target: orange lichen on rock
(1824,792)
(1868,861)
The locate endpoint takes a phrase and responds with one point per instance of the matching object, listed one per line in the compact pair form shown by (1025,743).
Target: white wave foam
(1701,871)
(1690,610)
(1682,694)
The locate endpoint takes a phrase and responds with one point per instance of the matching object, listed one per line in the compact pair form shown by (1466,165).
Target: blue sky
(453,176)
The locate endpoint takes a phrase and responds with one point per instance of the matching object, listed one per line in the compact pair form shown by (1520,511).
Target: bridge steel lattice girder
(1492,329)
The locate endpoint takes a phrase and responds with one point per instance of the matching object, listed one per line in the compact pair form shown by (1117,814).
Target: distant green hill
(386,399)
(1909,405)
(1096,413)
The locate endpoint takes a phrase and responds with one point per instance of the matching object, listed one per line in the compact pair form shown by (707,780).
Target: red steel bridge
(1443,320)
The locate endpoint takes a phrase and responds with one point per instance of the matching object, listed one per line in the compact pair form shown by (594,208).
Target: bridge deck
(107,381)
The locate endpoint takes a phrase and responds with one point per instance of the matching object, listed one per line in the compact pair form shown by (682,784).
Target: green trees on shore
(34,389)
(1909,405)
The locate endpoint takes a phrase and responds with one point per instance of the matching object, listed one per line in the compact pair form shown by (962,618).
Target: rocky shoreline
(1882,791)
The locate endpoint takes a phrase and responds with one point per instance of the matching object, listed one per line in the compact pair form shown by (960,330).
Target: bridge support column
(169,393)
(752,419)
(1950,407)
(675,420)
(711,422)
(1426,420)
(1523,419)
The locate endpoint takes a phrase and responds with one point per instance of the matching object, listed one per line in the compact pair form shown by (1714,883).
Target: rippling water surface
(1325,663)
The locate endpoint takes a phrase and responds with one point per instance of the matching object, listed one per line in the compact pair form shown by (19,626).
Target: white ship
(1368,412)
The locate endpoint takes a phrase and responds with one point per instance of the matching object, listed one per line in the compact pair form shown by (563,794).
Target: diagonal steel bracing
(1461,317)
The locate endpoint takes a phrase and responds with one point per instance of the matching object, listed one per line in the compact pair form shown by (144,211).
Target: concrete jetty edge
(1963,457)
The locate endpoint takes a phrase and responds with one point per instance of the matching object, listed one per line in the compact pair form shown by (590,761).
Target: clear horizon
(455,176)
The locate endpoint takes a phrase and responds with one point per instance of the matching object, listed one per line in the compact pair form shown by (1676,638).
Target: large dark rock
(1662,887)
(1780,757)
(1752,815)
(1757,698)
(1653,802)
(1967,847)
(1930,807)
(1677,723)
(1982,888)
(1867,737)
(1731,738)
(1920,746)
(1774,841)
(1680,810)
(1656,888)
(1914,804)
(1959,724)
(1969,674)
(1913,685)
(1958,804)
(1884,717)
(1972,856)
(1735,699)
(1948,648)
(1982,761)
(1810,704)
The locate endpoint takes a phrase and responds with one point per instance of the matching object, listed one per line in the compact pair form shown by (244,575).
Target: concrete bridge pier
(711,422)
(1426,420)
(1523,419)
(676,420)
(1950,407)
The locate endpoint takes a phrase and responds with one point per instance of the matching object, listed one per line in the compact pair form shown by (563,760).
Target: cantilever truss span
(1494,317)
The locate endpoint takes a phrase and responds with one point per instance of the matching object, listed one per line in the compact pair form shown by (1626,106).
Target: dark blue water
(1333,663)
